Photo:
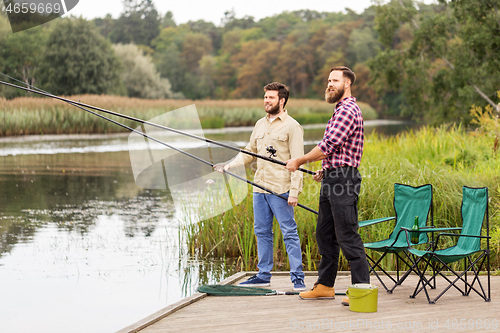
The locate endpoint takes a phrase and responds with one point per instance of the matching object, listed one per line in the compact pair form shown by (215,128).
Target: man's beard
(333,97)
(274,110)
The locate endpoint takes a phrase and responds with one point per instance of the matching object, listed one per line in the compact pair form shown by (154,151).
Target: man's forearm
(314,155)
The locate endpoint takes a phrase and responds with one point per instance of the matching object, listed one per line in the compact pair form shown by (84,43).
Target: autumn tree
(295,62)
(254,62)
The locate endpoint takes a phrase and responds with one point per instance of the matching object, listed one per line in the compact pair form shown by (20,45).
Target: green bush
(212,122)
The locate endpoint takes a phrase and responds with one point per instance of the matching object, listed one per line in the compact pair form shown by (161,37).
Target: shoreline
(96,136)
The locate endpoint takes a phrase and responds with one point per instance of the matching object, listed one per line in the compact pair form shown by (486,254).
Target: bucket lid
(363,286)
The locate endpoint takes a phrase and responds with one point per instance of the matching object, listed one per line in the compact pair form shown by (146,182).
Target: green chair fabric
(474,211)
(409,202)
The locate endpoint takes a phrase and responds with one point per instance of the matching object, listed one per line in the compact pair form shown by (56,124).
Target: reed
(427,156)
(31,115)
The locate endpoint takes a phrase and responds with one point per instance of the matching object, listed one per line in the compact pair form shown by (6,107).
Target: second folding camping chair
(409,202)
(468,247)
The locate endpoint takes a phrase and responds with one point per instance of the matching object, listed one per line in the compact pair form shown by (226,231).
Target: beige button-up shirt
(286,136)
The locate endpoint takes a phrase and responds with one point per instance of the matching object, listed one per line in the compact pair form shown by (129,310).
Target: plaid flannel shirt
(344,136)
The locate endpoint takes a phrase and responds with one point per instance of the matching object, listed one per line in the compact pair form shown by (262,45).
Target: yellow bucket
(363,297)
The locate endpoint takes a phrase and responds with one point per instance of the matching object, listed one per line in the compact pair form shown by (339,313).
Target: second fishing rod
(145,122)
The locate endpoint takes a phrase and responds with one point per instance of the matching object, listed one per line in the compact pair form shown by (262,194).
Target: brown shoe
(345,301)
(319,291)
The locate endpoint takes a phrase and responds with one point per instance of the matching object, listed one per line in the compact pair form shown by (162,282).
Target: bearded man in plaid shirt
(341,150)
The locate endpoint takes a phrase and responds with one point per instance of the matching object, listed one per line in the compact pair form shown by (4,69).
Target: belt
(340,166)
(333,171)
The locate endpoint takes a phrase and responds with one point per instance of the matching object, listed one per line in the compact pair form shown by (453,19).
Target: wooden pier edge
(160,314)
(166,311)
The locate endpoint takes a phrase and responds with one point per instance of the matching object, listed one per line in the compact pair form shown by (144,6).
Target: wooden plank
(136,327)
(396,311)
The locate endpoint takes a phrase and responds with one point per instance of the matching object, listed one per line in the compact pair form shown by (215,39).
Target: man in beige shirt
(279,131)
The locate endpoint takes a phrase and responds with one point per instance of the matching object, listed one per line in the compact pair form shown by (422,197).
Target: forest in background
(425,62)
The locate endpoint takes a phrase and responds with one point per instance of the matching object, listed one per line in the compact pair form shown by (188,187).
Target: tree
(139,23)
(298,48)
(194,47)
(279,26)
(21,54)
(449,62)
(105,25)
(178,52)
(167,56)
(77,60)
(168,20)
(206,83)
(209,30)
(139,74)
(254,63)
(294,64)
(362,45)
(230,22)
(362,89)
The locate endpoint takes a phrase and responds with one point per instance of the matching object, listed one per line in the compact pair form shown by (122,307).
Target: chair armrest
(374,221)
(460,235)
(432,229)
(425,230)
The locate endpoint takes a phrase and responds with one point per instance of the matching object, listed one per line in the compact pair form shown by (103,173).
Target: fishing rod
(168,146)
(145,122)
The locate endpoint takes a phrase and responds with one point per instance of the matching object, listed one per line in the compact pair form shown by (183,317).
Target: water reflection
(82,247)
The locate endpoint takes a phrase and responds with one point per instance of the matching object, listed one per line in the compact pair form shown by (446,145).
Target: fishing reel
(271,151)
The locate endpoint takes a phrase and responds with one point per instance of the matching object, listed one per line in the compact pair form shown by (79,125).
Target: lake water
(83,248)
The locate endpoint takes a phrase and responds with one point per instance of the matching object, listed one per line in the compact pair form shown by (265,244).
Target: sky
(213,11)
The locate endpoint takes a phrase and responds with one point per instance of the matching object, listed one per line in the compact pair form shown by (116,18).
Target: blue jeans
(265,207)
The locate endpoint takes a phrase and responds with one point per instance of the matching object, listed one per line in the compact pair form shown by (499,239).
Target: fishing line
(158,141)
(47,94)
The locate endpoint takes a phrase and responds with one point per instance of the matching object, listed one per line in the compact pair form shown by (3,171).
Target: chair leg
(375,273)
(472,266)
(411,266)
(397,268)
(434,273)
(422,280)
(465,282)
(376,264)
(469,286)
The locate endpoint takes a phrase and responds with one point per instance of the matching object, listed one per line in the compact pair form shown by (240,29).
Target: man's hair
(283,91)
(346,73)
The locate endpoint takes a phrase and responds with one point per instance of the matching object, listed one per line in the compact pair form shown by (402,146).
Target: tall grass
(30,115)
(428,156)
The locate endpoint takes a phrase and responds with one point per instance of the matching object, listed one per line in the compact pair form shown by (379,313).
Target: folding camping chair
(409,202)
(474,212)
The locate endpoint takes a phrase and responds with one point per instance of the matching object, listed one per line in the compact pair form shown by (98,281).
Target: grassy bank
(447,158)
(22,116)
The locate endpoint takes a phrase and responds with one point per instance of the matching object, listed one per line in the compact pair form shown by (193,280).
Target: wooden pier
(396,312)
